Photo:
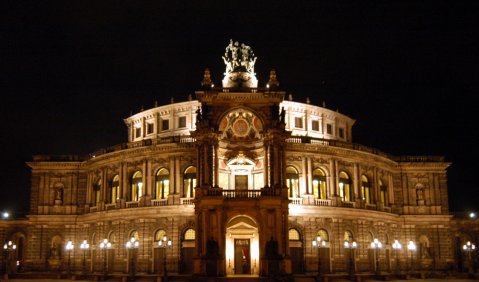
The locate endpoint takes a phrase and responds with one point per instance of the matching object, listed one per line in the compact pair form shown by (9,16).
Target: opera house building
(238,179)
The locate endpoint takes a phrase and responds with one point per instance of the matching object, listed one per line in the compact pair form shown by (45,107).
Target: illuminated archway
(242,246)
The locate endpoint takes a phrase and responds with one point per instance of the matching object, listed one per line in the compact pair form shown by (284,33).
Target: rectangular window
(137,132)
(181,122)
(341,133)
(165,124)
(298,122)
(149,128)
(315,125)
(329,128)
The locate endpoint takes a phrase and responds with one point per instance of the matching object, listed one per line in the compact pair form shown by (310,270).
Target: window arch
(162,184)
(319,184)
(136,191)
(383,193)
(323,234)
(365,189)
(348,236)
(190,234)
(292,182)
(97,191)
(189,182)
(114,189)
(159,234)
(344,187)
(294,235)
(134,234)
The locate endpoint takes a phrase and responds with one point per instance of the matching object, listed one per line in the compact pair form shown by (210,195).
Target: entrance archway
(242,246)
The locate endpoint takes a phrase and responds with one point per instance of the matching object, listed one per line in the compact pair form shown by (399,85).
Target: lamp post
(319,243)
(8,247)
(84,246)
(351,247)
(376,245)
(69,248)
(104,245)
(396,247)
(131,245)
(165,243)
(411,247)
(469,248)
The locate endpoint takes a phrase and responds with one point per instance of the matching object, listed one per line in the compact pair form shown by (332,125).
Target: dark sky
(405,70)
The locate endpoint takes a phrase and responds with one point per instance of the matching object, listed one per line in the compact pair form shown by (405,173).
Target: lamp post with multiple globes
(131,246)
(104,246)
(396,247)
(165,243)
(351,246)
(319,243)
(69,248)
(411,247)
(84,246)
(9,248)
(376,245)
(469,248)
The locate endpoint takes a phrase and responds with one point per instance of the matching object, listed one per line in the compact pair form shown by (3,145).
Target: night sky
(407,71)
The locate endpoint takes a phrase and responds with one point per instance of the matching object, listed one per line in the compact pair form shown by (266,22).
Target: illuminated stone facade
(242,180)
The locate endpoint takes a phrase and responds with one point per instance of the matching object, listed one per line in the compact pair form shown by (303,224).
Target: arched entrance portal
(242,246)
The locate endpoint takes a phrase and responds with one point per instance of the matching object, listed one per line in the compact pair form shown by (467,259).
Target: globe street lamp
(69,248)
(396,247)
(9,248)
(132,245)
(84,246)
(165,243)
(411,247)
(376,245)
(104,245)
(319,243)
(351,247)
(469,248)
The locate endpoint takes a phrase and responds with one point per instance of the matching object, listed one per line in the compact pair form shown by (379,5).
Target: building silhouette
(240,180)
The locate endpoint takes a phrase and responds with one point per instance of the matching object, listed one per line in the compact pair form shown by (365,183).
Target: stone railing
(187,201)
(144,143)
(132,204)
(296,201)
(322,202)
(241,194)
(159,202)
(362,148)
(110,206)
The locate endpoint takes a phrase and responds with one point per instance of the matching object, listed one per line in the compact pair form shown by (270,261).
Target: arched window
(189,182)
(348,236)
(136,186)
(323,234)
(159,234)
(134,234)
(345,187)
(115,189)
(294,234)
(162,184)
(319,184)
(365,190)
(292,182)
(97,191)
(383,193)
(189,234)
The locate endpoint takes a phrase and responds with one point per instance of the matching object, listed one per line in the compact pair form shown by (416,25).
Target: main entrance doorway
(242,256)
(242,246)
